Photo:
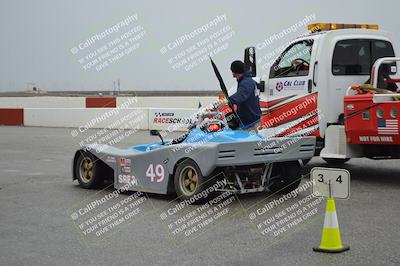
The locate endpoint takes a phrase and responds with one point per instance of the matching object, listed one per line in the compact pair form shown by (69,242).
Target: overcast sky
(38,39)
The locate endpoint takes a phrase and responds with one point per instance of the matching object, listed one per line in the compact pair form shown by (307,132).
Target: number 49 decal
(156,174)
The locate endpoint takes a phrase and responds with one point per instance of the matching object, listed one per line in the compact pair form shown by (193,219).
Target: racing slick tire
(285,177)
(335,160)
(188,179)
(89,170)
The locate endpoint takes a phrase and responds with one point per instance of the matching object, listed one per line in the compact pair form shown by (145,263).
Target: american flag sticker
(388,127)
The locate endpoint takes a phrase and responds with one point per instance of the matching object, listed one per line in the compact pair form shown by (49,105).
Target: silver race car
(211,152)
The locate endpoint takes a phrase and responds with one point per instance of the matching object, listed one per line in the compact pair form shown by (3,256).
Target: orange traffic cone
(331,241)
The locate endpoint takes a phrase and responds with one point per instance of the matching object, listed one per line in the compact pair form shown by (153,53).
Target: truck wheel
(285,177)
(188,179)
(335,160)
(88,170)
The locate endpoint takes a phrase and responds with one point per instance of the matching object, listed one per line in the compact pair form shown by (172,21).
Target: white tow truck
(307,91)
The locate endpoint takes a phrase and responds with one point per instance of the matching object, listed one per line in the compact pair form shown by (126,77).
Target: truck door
(290,81)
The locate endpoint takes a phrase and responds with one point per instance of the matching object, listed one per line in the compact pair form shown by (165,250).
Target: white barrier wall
(42,102)
(169,102)
(80,102)
(170,119)
(154,112)
(87,118)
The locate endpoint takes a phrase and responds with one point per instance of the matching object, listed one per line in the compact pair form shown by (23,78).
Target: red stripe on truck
(101,102)
(12,116)
(289,111)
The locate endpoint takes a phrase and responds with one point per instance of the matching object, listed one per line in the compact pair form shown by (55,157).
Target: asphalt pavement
(38,200)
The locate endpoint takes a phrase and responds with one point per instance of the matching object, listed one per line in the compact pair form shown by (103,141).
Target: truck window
(356,56)
(381,49)
(294,61)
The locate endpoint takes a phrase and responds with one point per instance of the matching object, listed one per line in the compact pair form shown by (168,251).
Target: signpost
(331,183)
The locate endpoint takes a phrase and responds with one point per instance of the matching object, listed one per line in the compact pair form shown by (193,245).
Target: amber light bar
(338,26)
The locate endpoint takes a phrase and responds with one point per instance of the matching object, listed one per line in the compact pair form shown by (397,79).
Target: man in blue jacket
(246,97)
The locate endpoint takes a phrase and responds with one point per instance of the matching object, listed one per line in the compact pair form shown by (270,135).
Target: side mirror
(250,60)
(261,86)
(155,132)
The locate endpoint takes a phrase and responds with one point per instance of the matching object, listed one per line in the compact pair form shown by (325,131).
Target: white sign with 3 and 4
(331,182)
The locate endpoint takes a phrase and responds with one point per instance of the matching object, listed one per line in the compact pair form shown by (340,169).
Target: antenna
(119,87)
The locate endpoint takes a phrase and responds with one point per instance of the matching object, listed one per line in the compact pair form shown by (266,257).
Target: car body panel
(150,167)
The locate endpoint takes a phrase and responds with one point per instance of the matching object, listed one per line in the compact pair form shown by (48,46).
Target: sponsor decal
(124,162)
(279,86)
(126,169)
(111,159)
(375,139)
(290,84)
(170,118)
(127,179)
(160,114)
(350,107)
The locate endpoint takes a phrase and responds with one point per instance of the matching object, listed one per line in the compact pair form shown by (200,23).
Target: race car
(209,153)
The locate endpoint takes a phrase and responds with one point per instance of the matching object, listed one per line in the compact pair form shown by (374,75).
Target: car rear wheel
(188,179)
(89,170)
(285,177)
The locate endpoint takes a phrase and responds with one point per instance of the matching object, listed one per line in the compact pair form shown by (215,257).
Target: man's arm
(241,95)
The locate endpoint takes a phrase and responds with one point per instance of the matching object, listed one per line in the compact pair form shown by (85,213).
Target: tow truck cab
(303,91)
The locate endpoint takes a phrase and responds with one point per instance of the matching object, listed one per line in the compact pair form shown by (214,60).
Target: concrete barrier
(156,112)
(104,101)
(87,118)
(168,102)
(12,116)
(42,102)
(101,102)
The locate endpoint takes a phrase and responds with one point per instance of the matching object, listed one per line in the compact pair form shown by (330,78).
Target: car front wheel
(89,170)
